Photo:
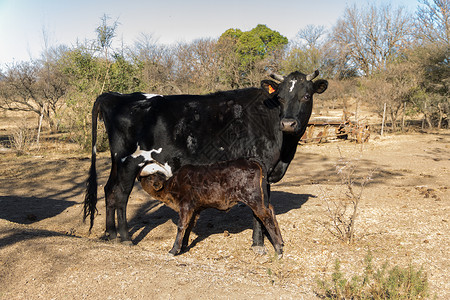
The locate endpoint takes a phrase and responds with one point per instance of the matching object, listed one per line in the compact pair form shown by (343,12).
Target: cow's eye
(306,97)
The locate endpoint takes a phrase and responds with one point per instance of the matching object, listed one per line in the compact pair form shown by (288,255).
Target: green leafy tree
(246,51)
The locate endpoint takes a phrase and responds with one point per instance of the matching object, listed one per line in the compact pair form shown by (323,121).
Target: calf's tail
(90,199)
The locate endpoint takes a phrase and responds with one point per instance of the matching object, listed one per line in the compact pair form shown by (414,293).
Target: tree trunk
(40,125)
(403,116)
(393,120)
(441,116)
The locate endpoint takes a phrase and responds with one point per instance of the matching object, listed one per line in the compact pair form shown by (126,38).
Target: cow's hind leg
(117,191)
(110,203)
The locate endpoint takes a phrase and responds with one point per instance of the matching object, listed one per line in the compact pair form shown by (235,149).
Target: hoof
(127,243)
(279,251)
(279,255)
(109,238)
(174,252)
(259,250)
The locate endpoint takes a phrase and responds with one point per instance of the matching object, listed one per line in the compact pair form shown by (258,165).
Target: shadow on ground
(12,236)
(27,210)
(211,221)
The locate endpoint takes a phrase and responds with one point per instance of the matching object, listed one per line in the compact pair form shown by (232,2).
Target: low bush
(383,283)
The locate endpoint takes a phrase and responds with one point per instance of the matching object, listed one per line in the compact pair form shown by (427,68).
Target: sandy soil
(46,252)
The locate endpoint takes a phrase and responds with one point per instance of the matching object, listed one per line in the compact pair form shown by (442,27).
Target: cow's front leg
(258,237)
(123,224)
(117,191)
(126,186)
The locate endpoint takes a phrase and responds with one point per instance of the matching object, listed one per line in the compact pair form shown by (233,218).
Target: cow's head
(295,93)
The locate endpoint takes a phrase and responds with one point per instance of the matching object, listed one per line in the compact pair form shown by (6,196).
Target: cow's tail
(90,199)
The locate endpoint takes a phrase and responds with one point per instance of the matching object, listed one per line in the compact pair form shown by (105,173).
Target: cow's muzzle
(289,125)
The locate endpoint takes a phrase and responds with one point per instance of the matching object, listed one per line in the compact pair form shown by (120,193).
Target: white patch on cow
(147,155)
(193,104)
(237,111)
(191,143)
(293,85)
(149,96)
(150,165)
(156,167)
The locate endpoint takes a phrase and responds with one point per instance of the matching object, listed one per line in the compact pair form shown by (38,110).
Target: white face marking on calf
(293,85)
(149,96)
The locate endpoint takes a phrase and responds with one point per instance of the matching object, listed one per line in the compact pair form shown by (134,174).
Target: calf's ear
(320,86)
(158,185)
(271,87)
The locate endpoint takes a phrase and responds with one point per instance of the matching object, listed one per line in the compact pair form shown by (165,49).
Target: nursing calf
(222,185)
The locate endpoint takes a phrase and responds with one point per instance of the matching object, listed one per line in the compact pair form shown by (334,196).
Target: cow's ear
(271,87)
(320,86)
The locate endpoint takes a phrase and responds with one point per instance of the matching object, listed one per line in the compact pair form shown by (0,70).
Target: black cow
(265,123)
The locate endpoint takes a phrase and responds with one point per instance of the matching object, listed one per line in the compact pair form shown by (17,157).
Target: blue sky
(22,22)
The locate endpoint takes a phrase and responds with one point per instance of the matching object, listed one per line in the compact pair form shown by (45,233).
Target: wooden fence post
(384,117)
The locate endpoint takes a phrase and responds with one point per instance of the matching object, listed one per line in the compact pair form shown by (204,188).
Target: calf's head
(295,93)
(153,182)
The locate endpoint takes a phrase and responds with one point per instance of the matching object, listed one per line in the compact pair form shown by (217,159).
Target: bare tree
(35,87)
(369,37)
(305,54)
(395,85)
(198,66)
(433,21)
(106,34)
(156,63)
(230,72)
(312,35)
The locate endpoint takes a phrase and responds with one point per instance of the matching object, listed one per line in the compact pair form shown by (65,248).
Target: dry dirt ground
(46,252)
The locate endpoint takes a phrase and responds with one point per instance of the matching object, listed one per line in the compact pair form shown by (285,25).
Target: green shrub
(383,283)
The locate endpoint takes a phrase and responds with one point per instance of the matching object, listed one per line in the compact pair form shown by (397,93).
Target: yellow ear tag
(271,89)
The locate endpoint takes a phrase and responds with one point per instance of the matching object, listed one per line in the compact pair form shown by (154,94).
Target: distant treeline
(375,54)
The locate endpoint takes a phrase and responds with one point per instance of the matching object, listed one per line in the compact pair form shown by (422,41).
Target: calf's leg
(188,230)
(185,219)
(258,228)
(267,217)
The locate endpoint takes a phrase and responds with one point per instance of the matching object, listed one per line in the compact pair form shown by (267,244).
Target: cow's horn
(310,77)
(277,76)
